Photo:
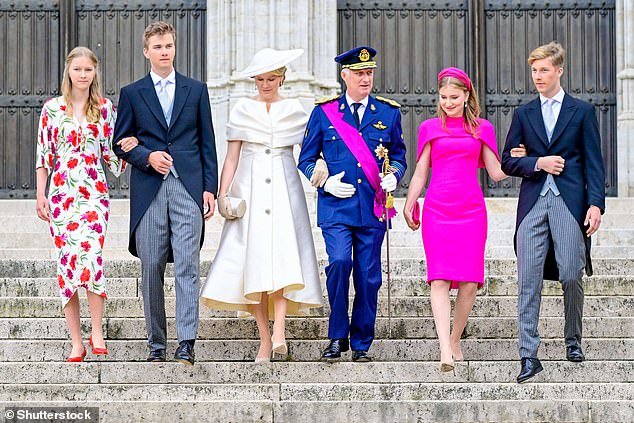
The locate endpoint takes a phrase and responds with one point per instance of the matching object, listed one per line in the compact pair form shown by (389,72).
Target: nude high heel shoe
(279,348)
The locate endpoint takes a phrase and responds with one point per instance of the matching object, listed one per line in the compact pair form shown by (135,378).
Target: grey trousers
(172,218)
(549,216)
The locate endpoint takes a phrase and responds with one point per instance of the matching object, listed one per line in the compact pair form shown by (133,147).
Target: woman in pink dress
(454,219)
(75,133)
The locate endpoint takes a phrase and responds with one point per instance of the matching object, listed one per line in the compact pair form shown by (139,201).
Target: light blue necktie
(549,118)
(164,99)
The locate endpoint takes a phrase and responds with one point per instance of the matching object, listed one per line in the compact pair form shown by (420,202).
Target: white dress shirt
(170,80)
(364,104)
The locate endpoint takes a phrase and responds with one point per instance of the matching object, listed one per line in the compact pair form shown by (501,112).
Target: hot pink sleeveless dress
(454,223)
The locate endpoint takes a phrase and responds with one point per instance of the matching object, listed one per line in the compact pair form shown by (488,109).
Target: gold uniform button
(360,134)
(333,137)
(380,139)
(359,180)
(358,164)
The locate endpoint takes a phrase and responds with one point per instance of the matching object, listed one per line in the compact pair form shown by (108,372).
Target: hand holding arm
(320,174)
(128,143)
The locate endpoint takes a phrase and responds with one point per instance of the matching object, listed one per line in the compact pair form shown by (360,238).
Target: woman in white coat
(266,264)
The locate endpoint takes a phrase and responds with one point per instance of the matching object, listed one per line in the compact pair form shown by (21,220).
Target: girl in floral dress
(75,132)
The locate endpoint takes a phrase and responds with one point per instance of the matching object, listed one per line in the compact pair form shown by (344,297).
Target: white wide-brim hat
(269,59)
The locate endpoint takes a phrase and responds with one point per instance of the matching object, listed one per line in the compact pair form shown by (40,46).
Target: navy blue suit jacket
(576,139)
(189,139)
(381,124)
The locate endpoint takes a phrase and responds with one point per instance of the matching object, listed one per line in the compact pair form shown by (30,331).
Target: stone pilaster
(237,29)
(625,96)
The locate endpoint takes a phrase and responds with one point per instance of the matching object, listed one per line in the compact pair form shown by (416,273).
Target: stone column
(237,29)
(625,96)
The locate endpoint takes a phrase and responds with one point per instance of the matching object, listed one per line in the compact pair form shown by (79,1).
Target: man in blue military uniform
(346,130)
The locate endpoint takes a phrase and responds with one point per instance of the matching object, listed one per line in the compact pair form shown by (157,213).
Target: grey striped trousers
(172,218)
(548,218)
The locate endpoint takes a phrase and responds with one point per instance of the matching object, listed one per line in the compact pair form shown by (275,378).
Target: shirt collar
(364,102)
(171,78)
(559,97)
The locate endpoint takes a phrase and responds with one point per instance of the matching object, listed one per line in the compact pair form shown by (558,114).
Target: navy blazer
(381,124)
(189,139)
(575,138)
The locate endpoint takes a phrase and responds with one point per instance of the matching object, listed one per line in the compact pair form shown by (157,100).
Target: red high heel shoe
(96,350)
(77,358)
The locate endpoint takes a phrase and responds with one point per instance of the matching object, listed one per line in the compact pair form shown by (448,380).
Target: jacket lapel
(180,95)
(148,93)
(537,120)
(568,109)
(369,113)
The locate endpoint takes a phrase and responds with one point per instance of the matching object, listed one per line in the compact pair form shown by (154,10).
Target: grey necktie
(549,118)
(164,99)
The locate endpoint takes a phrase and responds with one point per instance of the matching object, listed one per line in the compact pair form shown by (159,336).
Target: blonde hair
(472,107)
(552,50)
(158,28)
(280,72)
(93,104)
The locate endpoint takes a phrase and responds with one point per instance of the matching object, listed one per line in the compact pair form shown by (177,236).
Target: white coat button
(267,211)
(267,180)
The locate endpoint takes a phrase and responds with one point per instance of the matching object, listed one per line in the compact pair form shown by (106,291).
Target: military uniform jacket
(381,124)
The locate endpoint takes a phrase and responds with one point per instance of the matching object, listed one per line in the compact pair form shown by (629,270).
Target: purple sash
(360,150)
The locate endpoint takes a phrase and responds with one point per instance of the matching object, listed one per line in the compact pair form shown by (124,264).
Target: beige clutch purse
(232,207)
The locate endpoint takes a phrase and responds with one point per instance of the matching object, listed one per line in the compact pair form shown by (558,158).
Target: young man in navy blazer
(172,186)
(561,201)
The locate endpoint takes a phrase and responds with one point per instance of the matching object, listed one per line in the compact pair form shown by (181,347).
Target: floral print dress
(78,193)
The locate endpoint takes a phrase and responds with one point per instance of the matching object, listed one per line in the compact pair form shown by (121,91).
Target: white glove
(388,182)
(337,188)
(320,174)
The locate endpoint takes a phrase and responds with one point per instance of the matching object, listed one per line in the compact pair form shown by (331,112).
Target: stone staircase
(402,384)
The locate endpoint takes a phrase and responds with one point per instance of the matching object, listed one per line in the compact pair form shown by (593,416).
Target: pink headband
(455,73)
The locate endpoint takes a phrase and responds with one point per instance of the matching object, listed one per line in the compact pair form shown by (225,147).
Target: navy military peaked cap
(357,58)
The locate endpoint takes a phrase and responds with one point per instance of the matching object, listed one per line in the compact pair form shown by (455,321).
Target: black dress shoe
(530,367)
(334,349)
(574,353)
(156,355)
(361,356)
(185,353)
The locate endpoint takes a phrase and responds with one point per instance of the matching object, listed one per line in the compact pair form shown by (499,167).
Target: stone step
(124,268)
(403,286)
(344,372)
(491,252)
(319,391)
(621,205)
(120,222)
(42,240)
(421,410)
(485,306)
(314,328)
(596,349)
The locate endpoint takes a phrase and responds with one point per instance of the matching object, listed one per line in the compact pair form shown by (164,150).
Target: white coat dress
(271,247)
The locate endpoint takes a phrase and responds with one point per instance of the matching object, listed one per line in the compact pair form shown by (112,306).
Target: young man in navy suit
(561,201)
(172,186)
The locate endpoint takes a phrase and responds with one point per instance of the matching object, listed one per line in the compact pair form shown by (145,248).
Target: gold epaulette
(326,100)
(388,101)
